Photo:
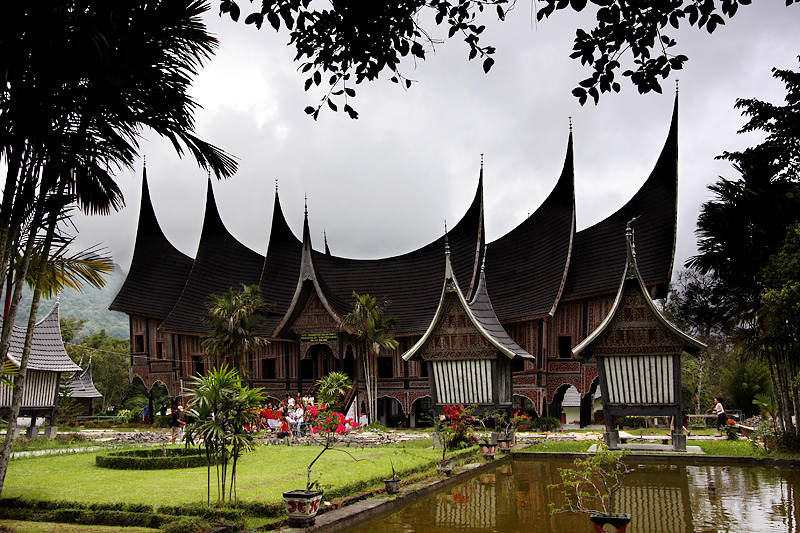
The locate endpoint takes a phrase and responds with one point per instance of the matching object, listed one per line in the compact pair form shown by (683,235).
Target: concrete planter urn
(488,449)
(445,466)
(302,506)
(504,445)
(392,485)
(619,521)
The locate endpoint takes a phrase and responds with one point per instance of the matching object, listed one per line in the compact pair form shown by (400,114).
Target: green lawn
(19,526)
(262,475)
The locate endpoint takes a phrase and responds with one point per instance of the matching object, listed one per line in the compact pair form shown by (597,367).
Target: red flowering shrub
(325,421)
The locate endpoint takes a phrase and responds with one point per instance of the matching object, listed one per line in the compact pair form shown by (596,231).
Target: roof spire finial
(144,157)
(481,162)
(677,86)
(483,261)
(276,185)
(305,201)
(570,124)
(446,239)
(629,237)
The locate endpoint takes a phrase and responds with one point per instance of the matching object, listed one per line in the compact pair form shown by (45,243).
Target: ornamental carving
(524,379)
(413,396)
(563,366)
(636,330)
(400,396)
(315,318)
(590,374)
(555,382)
(456,337)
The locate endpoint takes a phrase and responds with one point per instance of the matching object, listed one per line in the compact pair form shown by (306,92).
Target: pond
(514,497)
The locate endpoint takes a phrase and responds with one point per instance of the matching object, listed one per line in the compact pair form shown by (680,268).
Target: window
(138,343)
(161,350)
(268,369)
(385,367)
(564,346)
(423,369)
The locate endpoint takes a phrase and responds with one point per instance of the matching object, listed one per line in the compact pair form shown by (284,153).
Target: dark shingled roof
(412,282)
(281,267)
(47,348)
(158,270)
(81,384)
(222,262)
(479,308)
(598,252)
(482,311)
(526,267)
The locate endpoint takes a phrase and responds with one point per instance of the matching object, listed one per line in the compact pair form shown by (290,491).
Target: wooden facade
(550,287)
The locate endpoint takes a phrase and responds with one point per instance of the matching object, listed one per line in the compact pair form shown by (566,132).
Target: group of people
(287,416)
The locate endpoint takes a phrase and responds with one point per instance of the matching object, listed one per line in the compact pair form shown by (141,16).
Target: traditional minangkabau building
(525,299)
(47,361)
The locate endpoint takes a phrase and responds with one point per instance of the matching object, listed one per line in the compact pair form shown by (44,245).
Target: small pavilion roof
(222,262)
(81,384)
(47,348)
(480,311)
(158,270)
(598,252)
(632,276)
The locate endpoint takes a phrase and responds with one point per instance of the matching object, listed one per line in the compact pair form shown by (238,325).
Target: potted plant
(590,487)
(453,430)
(393,483)
(302,504)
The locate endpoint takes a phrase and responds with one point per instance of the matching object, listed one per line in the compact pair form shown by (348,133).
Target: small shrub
(189,524)
(731,433)
(632,421)
(547,423)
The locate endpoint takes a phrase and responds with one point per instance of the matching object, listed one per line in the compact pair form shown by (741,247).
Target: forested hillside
(90,304)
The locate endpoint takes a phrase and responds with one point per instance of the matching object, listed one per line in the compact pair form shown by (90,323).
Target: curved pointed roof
(412,281)
(632,280)
(479,310)
(281,266)
(81,384)
(47,348)
(307,281)
(527,267)
(158,270)
(598,252)
(222,262)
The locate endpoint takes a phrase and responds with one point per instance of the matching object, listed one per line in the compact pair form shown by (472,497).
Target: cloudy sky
(386,183)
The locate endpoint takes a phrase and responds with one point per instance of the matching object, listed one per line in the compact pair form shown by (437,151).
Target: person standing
(719,410)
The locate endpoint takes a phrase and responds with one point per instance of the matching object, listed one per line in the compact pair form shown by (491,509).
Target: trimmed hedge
(175,519)
(154,459)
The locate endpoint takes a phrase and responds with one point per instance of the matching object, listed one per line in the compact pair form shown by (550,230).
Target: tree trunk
(16,402)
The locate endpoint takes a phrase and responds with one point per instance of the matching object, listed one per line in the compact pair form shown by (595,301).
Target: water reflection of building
(657,497)
(472,505)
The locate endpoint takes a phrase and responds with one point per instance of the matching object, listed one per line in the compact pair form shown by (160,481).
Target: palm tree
(332,388)
(82,78)
(235,318)
(366,322)
(222,407)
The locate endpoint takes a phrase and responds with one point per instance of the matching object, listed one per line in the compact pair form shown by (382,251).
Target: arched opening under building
(390,412)
(421,413)
(161,398)
(592,405)
(524,405)
(555,408)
